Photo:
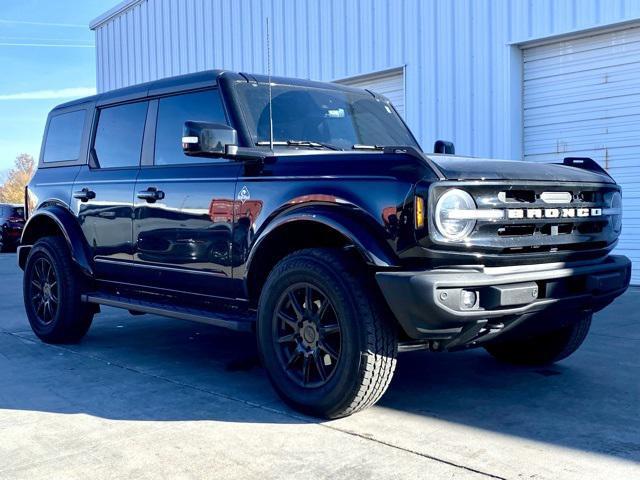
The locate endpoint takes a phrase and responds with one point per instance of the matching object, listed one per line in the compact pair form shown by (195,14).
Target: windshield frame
(256,141)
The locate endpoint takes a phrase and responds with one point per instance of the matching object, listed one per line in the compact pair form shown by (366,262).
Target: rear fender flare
(67,224)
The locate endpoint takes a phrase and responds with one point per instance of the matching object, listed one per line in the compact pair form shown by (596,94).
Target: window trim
(149,135)
(89,109)
(147,156)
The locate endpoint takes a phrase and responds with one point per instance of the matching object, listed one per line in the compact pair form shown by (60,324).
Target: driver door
(182,232)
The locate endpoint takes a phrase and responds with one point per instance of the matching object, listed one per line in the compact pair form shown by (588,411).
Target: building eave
(114,12)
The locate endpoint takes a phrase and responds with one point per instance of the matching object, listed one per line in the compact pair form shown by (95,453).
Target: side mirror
(207,139)
(443,146)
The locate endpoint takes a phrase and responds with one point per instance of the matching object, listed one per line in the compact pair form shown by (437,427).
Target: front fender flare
(374,249)
(68,226)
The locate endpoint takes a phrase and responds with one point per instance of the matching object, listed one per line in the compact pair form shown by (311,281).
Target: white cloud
(41,24)
(49,45)
(50,94)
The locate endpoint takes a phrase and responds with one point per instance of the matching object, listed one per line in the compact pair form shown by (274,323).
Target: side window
(64,137)
(119,135)
(173,112)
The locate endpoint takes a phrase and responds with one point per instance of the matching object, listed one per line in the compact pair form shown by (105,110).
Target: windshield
(330,118)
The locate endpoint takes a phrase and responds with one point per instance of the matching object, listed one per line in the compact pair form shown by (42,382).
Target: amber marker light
(419,203)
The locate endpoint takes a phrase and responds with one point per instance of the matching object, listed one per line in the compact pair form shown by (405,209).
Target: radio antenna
(269,80)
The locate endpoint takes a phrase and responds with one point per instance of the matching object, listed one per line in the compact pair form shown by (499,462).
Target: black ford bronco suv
(308,213)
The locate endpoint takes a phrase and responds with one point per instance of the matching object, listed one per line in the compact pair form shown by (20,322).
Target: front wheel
(545,348)
(325,339)
(52,293)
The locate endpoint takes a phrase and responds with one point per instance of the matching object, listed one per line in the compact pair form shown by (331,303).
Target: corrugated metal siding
(581,99)
(461,74)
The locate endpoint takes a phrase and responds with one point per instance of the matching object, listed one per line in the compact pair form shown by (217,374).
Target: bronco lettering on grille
(540,213)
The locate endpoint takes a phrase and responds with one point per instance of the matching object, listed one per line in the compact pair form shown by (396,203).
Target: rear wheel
(52,293)
(325,339)
(546,348)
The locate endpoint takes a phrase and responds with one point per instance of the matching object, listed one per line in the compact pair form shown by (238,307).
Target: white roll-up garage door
(389,83)
(581,98)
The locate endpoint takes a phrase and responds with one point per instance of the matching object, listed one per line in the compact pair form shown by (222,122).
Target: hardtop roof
(207,78)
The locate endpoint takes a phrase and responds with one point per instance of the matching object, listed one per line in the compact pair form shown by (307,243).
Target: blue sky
(46,57)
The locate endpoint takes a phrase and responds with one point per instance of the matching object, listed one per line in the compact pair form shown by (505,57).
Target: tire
(546,348)
(52,291)
(355,340)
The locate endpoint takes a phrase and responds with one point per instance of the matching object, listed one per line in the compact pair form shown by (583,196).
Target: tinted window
(173,112)
(119,135)
(335,117)
(64,137)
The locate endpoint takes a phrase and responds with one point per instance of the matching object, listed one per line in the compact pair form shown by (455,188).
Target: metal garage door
(582,98)
(389,83)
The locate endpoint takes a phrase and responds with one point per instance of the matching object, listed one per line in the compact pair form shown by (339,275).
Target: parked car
(12,223)
(308,213)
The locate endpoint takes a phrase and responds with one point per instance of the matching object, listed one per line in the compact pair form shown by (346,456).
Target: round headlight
(449,215)
(615,204)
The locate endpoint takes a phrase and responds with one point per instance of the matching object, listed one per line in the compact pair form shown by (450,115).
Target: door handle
(151,194)
(84,195)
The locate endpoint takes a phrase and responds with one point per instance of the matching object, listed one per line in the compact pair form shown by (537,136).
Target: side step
(242,322)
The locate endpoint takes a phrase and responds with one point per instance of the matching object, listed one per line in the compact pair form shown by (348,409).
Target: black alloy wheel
(44,291)
(308,335)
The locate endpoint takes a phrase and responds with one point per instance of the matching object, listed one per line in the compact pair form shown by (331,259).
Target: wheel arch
(312,228)
(55,220)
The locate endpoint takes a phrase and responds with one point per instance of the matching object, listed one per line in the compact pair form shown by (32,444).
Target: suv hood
(468,168)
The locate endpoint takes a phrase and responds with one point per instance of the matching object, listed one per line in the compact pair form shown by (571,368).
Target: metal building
(537,80)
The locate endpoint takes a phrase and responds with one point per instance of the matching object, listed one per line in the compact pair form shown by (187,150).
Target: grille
(544,217)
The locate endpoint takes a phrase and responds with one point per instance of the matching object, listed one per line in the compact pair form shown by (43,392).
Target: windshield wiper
(298,143)
(357,146)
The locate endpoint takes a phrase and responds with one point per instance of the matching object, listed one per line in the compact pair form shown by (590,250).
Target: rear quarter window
(64,137)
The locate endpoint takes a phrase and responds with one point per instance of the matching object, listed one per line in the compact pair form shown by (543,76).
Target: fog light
(468,299)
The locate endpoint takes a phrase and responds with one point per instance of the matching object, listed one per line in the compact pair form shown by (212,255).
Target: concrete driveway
(147,397)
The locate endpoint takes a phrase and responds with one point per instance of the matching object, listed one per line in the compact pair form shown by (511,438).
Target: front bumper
(427,303)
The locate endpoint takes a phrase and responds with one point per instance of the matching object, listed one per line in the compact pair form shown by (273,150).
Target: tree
(12,191)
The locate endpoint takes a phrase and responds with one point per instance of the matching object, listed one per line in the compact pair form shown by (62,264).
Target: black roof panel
(194,80)
(155,87)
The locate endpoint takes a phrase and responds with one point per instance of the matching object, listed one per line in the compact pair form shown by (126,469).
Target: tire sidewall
(346,376)
(43,250)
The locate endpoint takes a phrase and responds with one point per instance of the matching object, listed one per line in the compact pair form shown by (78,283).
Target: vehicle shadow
(589,409)
(150,368)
